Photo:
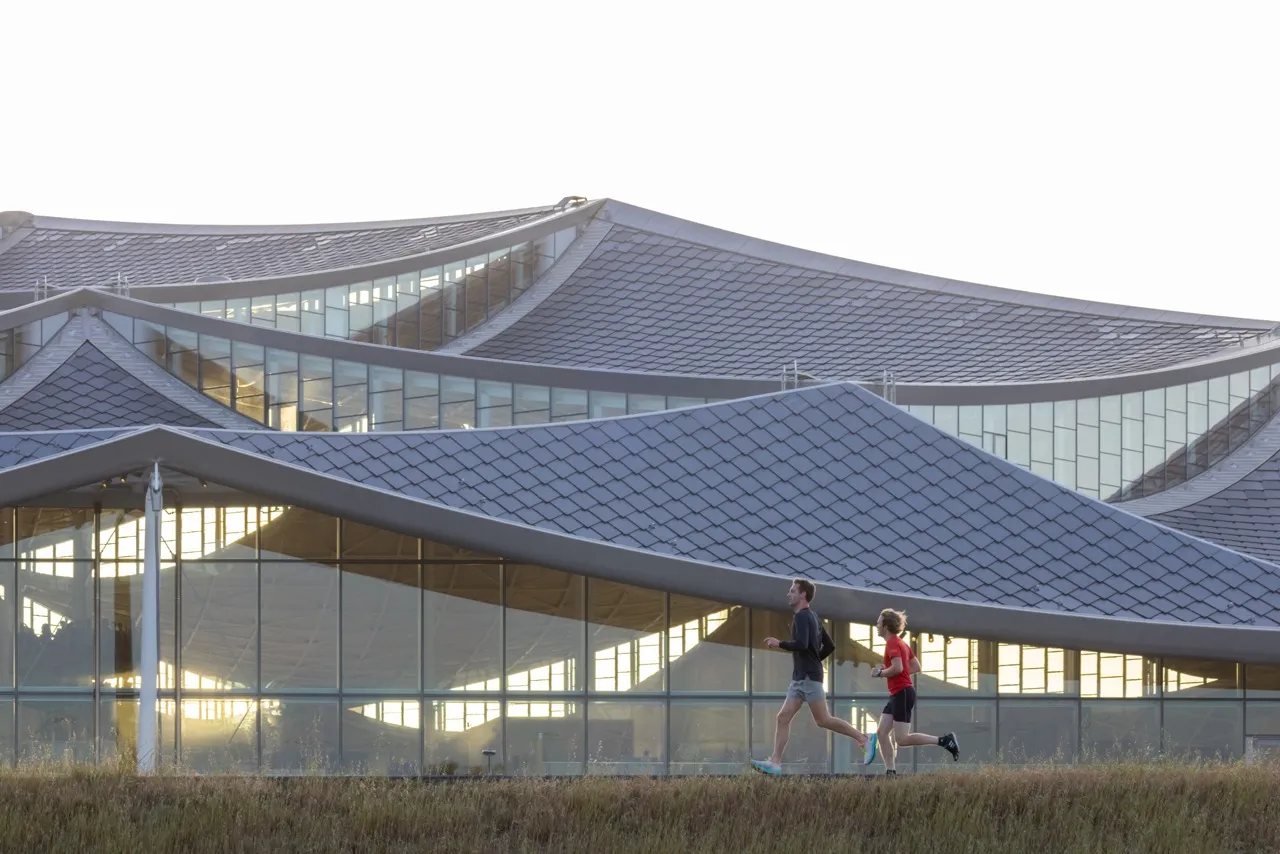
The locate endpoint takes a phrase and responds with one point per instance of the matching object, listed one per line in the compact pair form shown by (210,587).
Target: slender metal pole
(147,740)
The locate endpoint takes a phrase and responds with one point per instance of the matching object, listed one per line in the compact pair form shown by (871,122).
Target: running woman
(810,646)
(895,723)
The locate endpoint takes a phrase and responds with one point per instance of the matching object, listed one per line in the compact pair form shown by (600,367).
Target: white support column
(147,736)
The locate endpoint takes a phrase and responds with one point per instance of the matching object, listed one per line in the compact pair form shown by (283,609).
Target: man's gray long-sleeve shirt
(810,644)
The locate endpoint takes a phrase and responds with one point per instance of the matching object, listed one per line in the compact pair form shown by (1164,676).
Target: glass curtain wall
(1123,446)
(287,390)
(19,344)
(419,310)
(293,642)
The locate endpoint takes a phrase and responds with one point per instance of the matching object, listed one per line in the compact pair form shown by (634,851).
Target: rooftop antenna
(42,288)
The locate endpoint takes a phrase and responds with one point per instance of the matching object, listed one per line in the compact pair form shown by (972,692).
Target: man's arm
(894,668)
(915,665)
(803,631)
(828,645)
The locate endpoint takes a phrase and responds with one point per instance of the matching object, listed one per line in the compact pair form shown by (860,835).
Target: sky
(1121,152)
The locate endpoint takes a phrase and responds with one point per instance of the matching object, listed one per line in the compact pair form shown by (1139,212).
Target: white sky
(1124,152)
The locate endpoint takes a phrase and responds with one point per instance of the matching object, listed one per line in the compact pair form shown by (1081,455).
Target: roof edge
(129,227)
(654,222)
(293,485)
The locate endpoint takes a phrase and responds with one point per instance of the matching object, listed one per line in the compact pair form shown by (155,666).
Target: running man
(895,723)
(810,646)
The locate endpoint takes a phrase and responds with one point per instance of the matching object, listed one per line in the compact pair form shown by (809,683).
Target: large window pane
(953,665)
(458,731)
(544,738)
(1038,731)
(1262,719)
(545,631)
(299,626)
(1111,675)
(973,722)
(864,714)
(709,737)
(381,737)
(625,634)
(1119,730)
(220,735)
(368,543)
(1025,669)
(380,627)
(1190,677)
(299,736)
(300,533)
(858,649)
(707,646)
(808,746)
(6,733)
(771,668)
(55,730)
(1262,681)
(462,626)
(55,637)
(8,620)
(626,737)
(1208,730)
(219,637)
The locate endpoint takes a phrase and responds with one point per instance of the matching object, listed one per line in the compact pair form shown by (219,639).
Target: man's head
(891,622)
(800,594)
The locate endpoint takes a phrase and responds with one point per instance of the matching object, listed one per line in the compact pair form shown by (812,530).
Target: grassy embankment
(1120,808)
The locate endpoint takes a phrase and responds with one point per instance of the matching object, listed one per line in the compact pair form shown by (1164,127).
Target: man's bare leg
(823,718)
(782,729)
(885,739)
(905,738)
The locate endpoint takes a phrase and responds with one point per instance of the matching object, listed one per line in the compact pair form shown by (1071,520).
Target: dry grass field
(1118,808)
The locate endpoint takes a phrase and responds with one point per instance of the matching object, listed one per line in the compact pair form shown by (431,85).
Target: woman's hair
(894,621)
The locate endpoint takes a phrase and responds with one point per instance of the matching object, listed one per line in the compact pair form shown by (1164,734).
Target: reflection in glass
(808,747)
(300,736)
(1186,677)
(626,737)
(952,665)
(709,737)
(973,722)
(299,626)
(706,646)
(1207,730)
(1116,675)
(859,648)
(220,734)
(1038,731)
(380,627)
(381,737)
(55,730)
(1119,731)
(462,627)
(544,633)
(544,738)
(457,731)
(219,637)
(625,632)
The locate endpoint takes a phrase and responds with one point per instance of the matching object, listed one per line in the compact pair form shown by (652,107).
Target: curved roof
(658,294)
(87,376)
(1235,503)
(85,253)
(728,499)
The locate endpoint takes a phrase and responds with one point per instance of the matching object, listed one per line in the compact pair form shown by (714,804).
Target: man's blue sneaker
(869,755)
(766,767)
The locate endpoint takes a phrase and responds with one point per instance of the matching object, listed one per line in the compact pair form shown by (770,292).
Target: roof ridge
(193,229)
(666,225)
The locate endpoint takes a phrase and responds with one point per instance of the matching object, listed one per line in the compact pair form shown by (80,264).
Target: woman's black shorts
(901,704)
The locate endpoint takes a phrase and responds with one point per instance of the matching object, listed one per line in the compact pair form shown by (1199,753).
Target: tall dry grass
(1119,808)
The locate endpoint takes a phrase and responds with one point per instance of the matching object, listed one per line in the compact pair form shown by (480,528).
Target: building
(535,481)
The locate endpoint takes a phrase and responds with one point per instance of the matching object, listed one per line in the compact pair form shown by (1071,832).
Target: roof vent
(569,202)
(211,279)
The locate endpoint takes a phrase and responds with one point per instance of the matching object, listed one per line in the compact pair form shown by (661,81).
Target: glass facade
(20,343)
(1123,446)
(293,642)
(287,390)
(420,310)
